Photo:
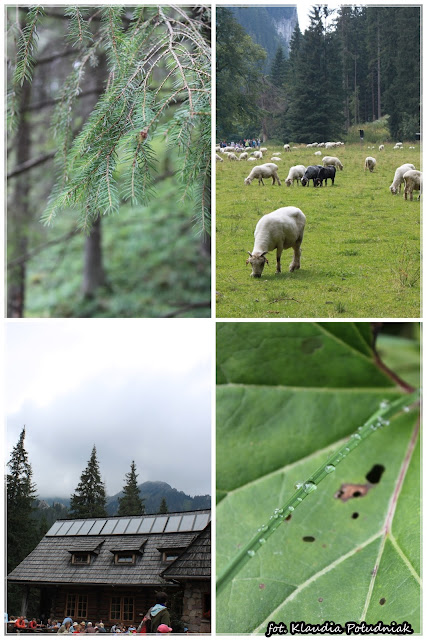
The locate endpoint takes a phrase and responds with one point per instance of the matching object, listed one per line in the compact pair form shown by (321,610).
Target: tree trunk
(19,215)
(93,271)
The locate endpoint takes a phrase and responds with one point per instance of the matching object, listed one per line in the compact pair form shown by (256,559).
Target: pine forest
(350,67)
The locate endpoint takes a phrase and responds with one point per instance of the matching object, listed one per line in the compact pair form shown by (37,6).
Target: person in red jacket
(20,623)
(33,624)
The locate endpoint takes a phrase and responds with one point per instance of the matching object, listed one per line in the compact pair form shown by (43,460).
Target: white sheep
(268,170)
(295,173)
(413,182)
(286,147)
(232,156)
(396,185)
(251,159)
(317,153)
(281,229)
(370,163)
(381,147)
(243,156)
(257,154)
(276,158)
(217,157)
(263,149)
(331,160)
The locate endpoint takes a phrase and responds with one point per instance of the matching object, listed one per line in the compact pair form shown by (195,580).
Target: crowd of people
(246,143)
(156,621)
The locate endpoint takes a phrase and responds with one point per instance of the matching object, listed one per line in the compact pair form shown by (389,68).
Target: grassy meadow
(361,247)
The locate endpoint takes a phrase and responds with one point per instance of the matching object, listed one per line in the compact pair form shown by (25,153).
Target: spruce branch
(381,418)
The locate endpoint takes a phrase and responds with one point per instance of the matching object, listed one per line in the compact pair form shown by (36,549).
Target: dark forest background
(355,66)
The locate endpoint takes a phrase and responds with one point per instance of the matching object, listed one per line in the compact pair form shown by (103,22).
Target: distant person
(65,628)
(90,628)
(158,614)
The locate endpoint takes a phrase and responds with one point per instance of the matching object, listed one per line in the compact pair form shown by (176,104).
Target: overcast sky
(137,389)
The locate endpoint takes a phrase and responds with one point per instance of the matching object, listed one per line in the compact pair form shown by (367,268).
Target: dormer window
(80,558)
(169,556)
(124,558)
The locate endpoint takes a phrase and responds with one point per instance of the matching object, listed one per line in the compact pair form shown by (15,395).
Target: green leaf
(288,396)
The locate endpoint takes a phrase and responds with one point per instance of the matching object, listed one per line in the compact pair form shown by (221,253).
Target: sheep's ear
(250,253)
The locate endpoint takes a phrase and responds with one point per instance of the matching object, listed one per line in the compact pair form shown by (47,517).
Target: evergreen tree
(21,492)
(238,78)
(141,44)
(89,499)
(163,506)
(317,97)
(130,503)
(278,69)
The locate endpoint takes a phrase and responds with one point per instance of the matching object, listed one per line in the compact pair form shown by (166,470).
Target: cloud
(138,390)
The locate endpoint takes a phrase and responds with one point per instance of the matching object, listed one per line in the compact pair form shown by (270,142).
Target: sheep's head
(393,189)
(257,261)
(304,181)
(288,182)
(248,180)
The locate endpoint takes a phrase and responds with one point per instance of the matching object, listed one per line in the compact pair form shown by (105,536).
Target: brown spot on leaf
(320,599)
(309,539)
(382,601)
(262,585)
(288,517)
(310,345)
(348,491)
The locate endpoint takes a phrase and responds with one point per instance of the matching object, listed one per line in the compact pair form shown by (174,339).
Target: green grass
(361,248)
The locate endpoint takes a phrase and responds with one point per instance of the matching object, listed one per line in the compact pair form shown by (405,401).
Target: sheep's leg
(278,265)
(296,262)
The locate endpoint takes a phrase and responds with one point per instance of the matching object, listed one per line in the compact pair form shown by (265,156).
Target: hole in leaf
(355,515)
(288,517)
(348,491)
(382,601)
(374,475)
(309,539)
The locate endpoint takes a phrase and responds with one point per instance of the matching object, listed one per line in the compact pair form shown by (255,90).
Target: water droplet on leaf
(309,487)
(329,468)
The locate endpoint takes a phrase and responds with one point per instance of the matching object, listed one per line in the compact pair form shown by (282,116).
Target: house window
(122,608)
(80,558)
(76,606)
(124,558)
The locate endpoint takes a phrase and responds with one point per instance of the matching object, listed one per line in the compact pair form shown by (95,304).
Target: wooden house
(109,569)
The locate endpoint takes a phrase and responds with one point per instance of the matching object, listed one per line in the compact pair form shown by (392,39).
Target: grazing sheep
(324,174)
(268,170)
(331,160)
(281,229)
(413,182)
(310,173)
(381,147)
(370,163)
(217,157)
(232,156)
(263,149)
(286,147)
(251,159)
(317,153)
(243,156)
(396,185)
(412,147)
(295,173)
(257,154)
(276,158)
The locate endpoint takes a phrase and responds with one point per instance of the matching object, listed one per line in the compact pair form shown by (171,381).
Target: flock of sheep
(284,228)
